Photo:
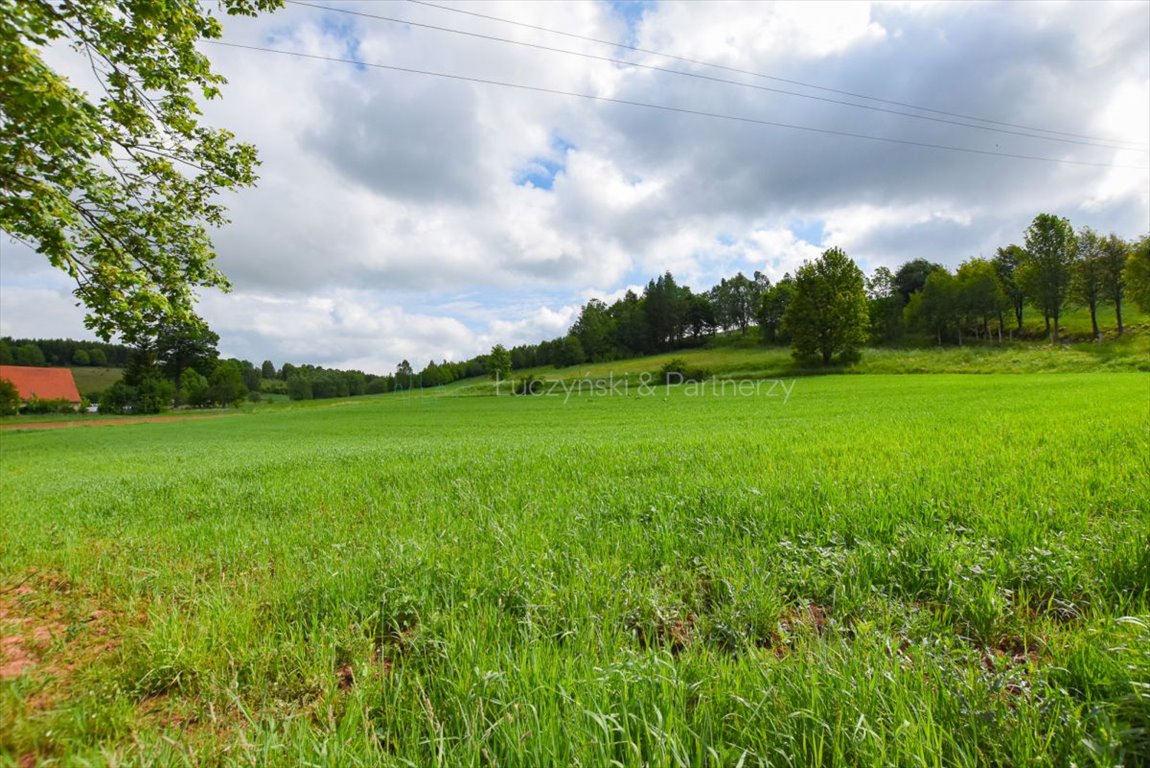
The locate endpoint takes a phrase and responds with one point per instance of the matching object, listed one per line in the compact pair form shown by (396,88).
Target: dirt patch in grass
(24,638)
(346,677)
(106,422)
(47,631)
(811,618)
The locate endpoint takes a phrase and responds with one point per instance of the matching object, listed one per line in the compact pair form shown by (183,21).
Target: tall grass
(943,570)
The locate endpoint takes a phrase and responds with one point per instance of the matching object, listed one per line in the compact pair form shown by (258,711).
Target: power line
(752,73)
(710,78)
(667,108)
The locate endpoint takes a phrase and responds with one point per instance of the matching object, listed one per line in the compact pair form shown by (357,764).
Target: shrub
(9,398)
(153,395)
(676,371)
(56,405)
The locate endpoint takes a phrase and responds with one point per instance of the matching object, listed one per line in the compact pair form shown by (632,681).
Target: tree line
(179,365)
(839,309)
(826,312)
(62,352)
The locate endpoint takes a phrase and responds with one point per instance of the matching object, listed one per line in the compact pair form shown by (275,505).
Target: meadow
(872,570)
(92,380)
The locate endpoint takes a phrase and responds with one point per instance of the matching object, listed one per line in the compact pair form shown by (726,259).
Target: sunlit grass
(926,570)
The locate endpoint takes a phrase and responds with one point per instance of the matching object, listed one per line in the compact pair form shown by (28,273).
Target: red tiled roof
(41,383)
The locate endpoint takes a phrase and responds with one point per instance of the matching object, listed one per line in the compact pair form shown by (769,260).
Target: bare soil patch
(107,422)
(48,631)
(23,639)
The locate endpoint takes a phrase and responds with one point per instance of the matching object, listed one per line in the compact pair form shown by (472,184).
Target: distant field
(874,570)
(737,356)
(94,379)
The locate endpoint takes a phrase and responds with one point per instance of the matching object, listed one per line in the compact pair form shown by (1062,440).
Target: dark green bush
(676,371)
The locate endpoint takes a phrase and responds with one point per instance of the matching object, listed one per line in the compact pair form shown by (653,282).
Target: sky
(408,216)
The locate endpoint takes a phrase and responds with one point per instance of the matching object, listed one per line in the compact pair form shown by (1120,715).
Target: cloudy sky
(404,215)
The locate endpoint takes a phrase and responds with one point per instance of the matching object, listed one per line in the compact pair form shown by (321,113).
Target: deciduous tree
(1045,277)
(700,315)
(570,352)
(736,300)
(1007,262)
(884,305)
(9,398)
(596,330)
(404,375)
(980,295)
(828,314)
(498,362)
(226,384)
(773,306)
(1115,251)
(118,188)
(1137,273)
(935,309)
(911,276)
(1088,273)
(179,346)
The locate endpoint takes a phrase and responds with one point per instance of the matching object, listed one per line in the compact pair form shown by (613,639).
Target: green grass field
(875,570)
(90,380)
(737,356)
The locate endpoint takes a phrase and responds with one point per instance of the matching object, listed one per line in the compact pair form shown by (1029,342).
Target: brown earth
(47,630)
(23,639)
(105,422)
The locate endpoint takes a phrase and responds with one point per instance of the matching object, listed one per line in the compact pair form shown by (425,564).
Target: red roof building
(41,383)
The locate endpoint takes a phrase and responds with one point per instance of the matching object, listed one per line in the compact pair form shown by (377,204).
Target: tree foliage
(665,304)
(828,314)
(595,330)
(143,389)
(1137,273)
(180,346)
(773,305)
(9,398)
(226,384)
(1045,274)
(980,295)
(1088,273)
(884,306)
(119,188)
(935,309)
(1115,251)
(499,362)
(736,300)
(1007,261)
(911,277)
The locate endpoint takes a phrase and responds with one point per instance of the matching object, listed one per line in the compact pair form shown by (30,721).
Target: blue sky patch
(813,230)
(540,172)
(342,29)
(632,12)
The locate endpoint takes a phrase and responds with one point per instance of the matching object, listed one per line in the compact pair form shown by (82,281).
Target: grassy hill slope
(90,380)
(735,357)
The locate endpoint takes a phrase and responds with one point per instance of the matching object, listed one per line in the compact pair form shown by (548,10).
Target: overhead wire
(669,108)
(700,76)
(752,73)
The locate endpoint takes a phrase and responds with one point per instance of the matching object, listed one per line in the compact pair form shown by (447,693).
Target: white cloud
(389,224)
